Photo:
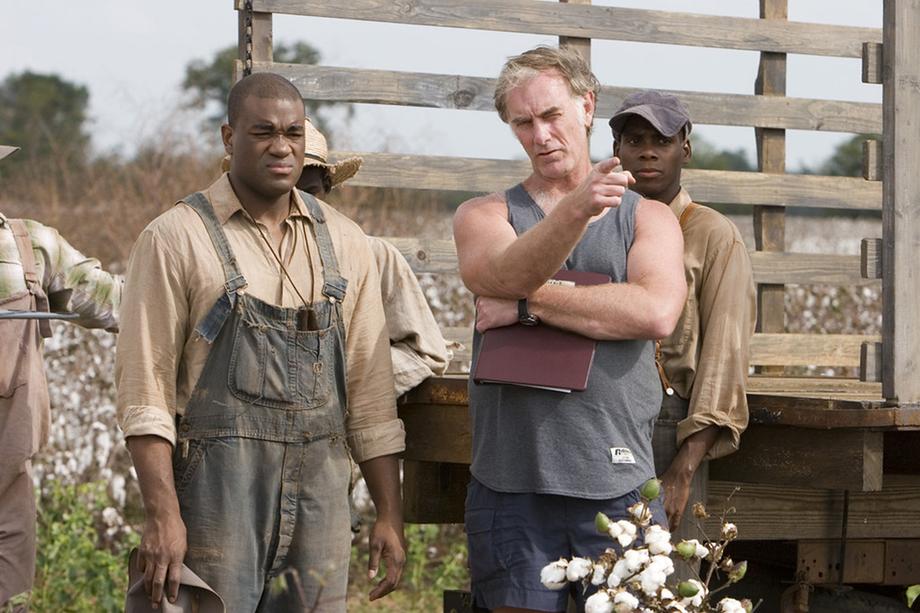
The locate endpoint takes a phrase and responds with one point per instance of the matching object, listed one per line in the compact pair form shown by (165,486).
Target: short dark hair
(261,85)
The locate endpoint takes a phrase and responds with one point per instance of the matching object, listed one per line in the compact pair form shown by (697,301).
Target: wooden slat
(872,63)
(828,459)
(767,349)
(872,160)
(597,22)
(771,512)
(776,349)
(870,258)
(829,387)
(426,255)
(901,213)
(475,93)
(870,362)
(480,175)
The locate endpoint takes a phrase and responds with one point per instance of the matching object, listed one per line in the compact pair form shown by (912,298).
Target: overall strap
(334,285)
(30,272)
(234,281)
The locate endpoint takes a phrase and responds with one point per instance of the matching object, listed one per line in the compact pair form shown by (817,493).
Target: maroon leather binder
(540,356)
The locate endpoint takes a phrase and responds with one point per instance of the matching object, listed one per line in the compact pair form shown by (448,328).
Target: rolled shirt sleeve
(153,330)
(372,426)
(727,312)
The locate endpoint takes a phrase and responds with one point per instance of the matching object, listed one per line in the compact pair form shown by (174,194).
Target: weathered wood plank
(597,22)
(778,349)
(482,175)
(433,492)
(826,459)
(831,387)
(765,512)
(580,45)
(475,93)
(767,349)
(870,362)
(872,63)
(870,258)
(770,222)
(872,160)
(901,210)
(426,255)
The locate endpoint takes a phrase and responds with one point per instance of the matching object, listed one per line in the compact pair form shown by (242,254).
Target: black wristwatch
(525,318)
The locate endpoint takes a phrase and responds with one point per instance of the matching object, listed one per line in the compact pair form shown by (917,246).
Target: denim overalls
(261,465)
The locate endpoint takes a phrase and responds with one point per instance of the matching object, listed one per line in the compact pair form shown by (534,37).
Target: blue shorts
(512,537)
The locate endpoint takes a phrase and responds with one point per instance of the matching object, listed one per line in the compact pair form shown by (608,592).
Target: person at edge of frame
(243,305)
(40,272)
(545,462)
(711,342)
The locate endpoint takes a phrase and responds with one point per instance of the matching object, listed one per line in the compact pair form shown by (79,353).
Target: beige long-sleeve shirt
(174,277)
(706,357)
(417,348)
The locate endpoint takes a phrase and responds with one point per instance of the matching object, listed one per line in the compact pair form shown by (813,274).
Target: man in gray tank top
(545,462)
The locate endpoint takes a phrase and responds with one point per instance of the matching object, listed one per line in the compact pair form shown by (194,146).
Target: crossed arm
(648,305)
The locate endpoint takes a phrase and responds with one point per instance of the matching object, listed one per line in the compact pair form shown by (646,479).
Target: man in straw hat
(711,343)
(417,348)
(41,274)
(244,304)
(545,462)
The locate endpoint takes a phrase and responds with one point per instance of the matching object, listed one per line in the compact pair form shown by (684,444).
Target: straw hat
(6,150)
(316,153)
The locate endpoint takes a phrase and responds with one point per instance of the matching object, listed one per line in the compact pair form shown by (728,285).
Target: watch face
(529,320)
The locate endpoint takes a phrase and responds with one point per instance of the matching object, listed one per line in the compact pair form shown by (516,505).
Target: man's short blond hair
(568,63)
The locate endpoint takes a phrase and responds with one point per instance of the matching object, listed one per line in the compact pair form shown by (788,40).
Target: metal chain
(247,16)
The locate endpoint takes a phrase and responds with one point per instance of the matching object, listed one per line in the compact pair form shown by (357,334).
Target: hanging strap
(234,281)
(665,382)
(30,272)
(334,285)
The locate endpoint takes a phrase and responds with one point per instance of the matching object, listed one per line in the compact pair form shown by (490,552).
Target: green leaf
(912,593)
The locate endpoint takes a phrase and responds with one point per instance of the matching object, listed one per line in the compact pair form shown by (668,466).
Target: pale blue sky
(132,55)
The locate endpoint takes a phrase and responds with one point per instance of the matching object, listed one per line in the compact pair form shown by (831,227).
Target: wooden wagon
(830,463)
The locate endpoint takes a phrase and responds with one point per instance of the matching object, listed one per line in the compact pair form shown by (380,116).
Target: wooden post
(770,221)
(581,45)
(901,201)
(254,41)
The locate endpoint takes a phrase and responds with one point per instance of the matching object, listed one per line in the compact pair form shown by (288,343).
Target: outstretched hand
(603,188)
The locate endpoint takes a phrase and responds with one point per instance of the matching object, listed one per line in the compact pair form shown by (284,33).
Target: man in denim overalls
(232,384)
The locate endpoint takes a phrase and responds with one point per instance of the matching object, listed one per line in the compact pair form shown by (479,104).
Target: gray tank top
(592,444)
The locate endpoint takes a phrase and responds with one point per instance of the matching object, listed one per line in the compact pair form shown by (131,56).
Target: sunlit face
(550,123)
(267,145)
(653,159)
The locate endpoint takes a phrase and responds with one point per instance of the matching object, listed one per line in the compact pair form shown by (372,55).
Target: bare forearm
(535,256)
(693,450)
(382,477)
(152,457)
(615,311)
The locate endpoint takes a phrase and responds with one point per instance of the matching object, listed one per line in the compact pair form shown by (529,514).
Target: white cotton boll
(623,531)
(662,563)
(658,540)
(651,580)
(636,559)
(553,575)
(730,605)
(624,601)
(599,602)
(599,576)
(111,517)
(667,594)
(620,571)
(578,569)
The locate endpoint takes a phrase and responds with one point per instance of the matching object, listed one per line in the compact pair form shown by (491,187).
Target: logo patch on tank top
(621,455)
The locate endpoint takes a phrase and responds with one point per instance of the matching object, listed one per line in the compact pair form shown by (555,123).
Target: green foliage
(706,155)
(45,115)
(436,560)
(80,567)
(912,593)
(209,82)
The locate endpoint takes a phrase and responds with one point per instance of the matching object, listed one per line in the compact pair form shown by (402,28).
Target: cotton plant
(636,580)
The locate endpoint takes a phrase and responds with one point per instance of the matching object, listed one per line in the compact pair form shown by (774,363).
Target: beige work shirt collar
(226,203)
(681,201)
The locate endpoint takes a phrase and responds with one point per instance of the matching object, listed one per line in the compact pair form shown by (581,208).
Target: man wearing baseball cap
(40,275)
(705,360)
